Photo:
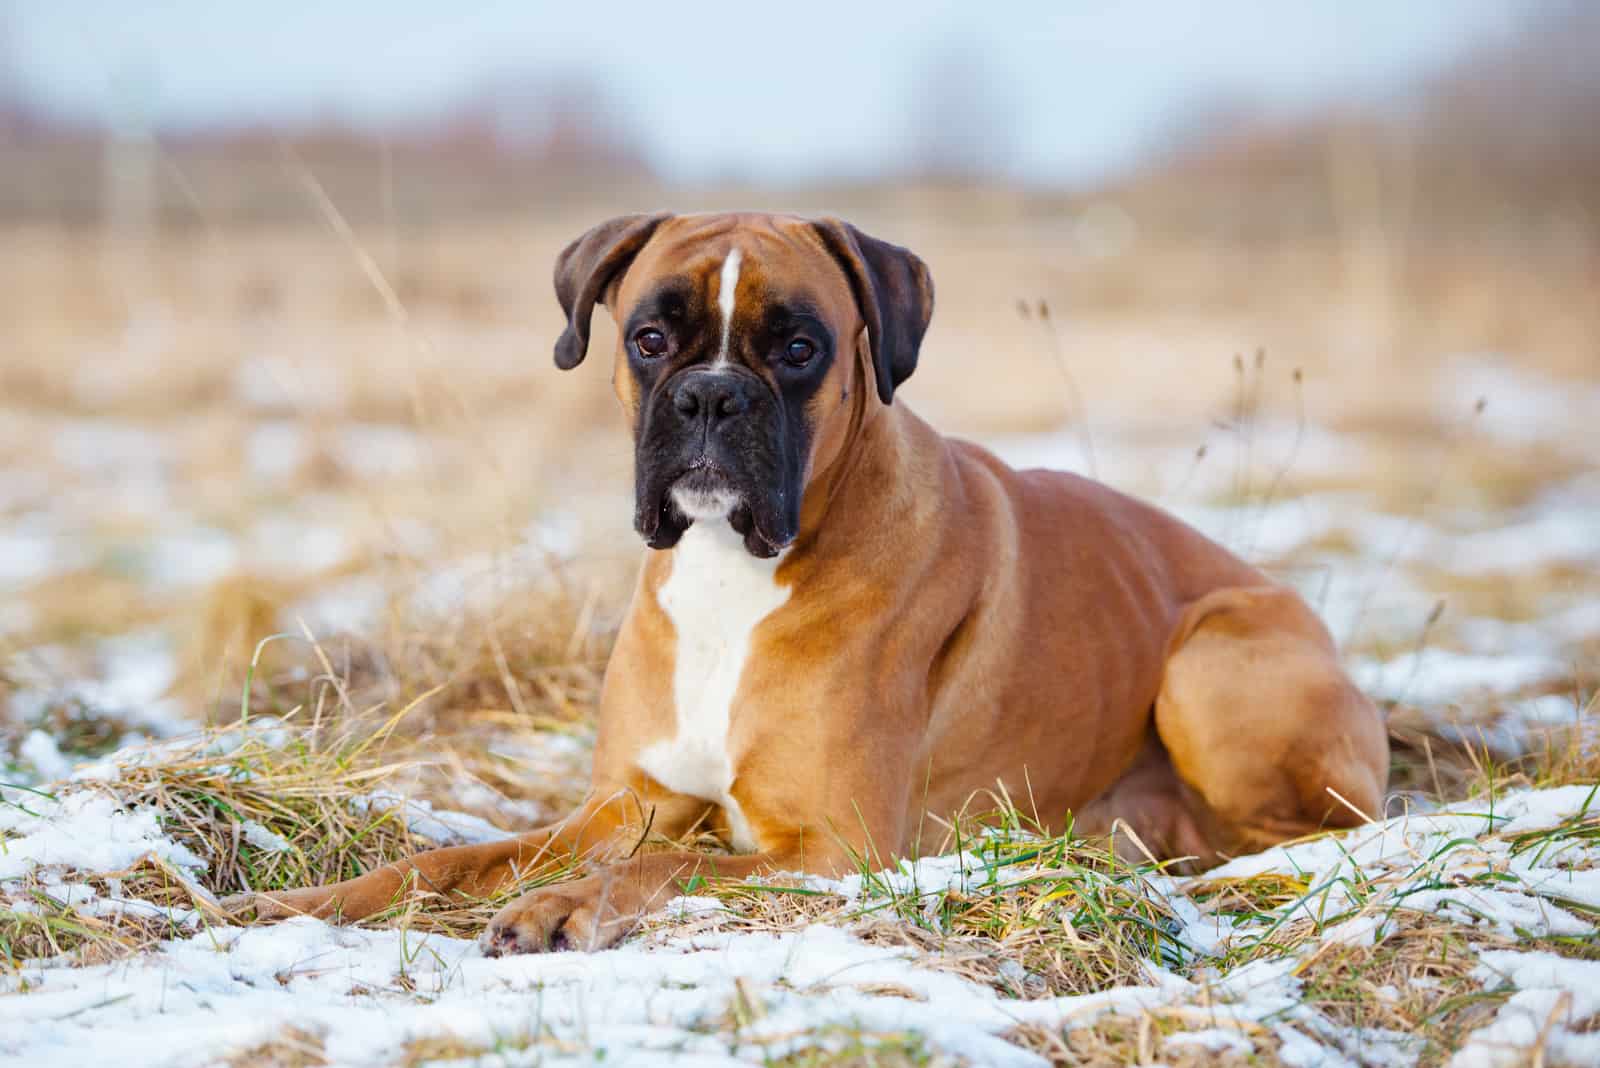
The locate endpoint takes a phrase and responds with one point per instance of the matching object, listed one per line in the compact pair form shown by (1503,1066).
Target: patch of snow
(1510,729)
(557,533)
(1211,1039)
(287,546)
(1568,536)
(1486,635)
(1504,912)
(478,583)
(194,744)
(40,750)
(1579,622)
(186,558)
(475,584)
(15,617)
(1358,600)
(83,831)
(263,838)
(1437,862)
(1554,995)
(105,377)
(1523,405)
(37,545)
(288,385)
(412,537)
(128,681)
(689,906)
(515,811)
(927,875)
(1207,934)
(379,450)
(1270,456)
(112,449)
(137,669)
(276,449)
(423,820)
(348,607)
(1356,931)
(24,488)
(1435,676)
(1549,710)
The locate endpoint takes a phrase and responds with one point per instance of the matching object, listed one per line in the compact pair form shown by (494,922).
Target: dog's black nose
(711,396)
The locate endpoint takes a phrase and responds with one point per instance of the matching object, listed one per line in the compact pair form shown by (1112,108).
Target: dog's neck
(868,501)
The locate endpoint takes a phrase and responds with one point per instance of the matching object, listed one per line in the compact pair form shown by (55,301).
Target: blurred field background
(286,372)
(280,436)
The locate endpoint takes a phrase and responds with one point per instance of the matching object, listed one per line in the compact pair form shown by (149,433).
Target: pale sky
(776,91)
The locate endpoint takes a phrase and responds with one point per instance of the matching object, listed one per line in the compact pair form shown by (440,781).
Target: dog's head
(744,344)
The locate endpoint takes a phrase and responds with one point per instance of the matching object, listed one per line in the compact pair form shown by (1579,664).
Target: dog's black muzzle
(714,430)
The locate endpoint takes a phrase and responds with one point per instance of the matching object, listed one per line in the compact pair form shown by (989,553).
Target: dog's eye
(799,352)
(651,342)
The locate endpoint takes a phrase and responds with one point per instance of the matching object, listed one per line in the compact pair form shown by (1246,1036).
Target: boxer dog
(847,625)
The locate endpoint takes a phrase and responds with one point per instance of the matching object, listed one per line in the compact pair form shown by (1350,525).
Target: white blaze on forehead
(727,291)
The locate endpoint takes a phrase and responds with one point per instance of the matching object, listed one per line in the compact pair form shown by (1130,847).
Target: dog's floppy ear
(586,267)
(895,293)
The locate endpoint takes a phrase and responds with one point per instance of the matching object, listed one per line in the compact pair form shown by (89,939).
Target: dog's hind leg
(1149,814)
(1269,736)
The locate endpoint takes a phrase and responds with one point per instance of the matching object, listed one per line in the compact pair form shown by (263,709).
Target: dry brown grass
(445,1049)
(296,784)
(293,1048)
(856,1049)
(1417,979)
(44,926)
(1117,1041)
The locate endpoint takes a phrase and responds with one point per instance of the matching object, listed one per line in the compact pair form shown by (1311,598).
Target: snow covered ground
(700,988)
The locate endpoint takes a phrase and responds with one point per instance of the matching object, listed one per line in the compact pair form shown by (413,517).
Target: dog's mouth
(706,492)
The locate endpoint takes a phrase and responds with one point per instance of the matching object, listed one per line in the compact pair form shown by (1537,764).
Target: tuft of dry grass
(1444,770)
(447,1049)
(35,924)
(1080,922)
(1115,1041)
(1416,979)
(858,1049)
(293,1048)
(286,785)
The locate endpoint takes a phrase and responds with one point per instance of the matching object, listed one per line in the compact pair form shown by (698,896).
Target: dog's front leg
(597,911)
(858,819)
(599,829)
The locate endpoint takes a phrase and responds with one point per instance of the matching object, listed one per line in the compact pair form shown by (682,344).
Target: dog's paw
(580,915)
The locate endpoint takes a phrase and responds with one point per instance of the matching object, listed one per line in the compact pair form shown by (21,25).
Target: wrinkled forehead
(777,264)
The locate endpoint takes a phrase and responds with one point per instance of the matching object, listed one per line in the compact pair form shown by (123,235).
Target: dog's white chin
(704,505)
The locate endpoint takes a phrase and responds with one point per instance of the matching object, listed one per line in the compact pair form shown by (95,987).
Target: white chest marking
(727,293)
(715,596)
